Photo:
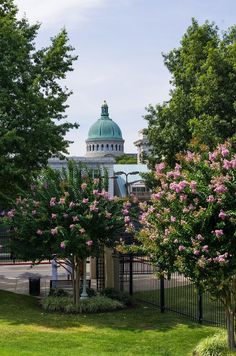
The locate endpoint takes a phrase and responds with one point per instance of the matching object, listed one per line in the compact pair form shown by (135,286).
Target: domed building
(104,137)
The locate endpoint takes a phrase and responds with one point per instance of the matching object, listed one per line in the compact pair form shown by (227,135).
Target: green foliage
(124,298)
(67,212)
(202,100)
(126,159)
(58,292)
(189,225)
(32,100)
(90,291)
(90,305)
(215,345)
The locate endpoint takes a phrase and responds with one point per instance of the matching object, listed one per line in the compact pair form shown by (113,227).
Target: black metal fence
(6,254)
(100,273)
(137,277)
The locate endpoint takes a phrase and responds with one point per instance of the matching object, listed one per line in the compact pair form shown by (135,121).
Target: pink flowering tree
(68,213)
(190,222)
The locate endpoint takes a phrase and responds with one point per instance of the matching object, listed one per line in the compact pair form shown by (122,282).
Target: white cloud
(51,12)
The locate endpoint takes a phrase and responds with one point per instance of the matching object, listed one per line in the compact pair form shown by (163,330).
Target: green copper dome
(104,128)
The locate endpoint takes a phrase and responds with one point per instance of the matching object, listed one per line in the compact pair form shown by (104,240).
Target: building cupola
(104,136)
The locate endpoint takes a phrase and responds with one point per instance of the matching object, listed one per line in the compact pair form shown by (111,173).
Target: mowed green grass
(27,330)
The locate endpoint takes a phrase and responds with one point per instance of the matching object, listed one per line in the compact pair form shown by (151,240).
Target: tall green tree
(202,105)
(32,99)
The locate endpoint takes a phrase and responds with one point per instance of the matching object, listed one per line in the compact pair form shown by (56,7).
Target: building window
(116,147)
(102,147)
(107,147)
(93,147)
(111,147)
(97,147)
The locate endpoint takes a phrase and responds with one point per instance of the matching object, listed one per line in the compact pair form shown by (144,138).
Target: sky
(119,44)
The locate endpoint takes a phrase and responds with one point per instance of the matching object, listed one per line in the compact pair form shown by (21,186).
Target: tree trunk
(77,282)
(230,317)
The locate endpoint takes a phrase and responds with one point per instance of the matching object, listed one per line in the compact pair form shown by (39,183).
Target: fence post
(200,306)
(162,294)
(131,274)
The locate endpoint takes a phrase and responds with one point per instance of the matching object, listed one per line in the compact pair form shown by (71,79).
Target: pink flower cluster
(218,233)
(54,231)
(94,207)
(83,186)
(53,201)
(178,187)
(159,167)
(157,196)
(63,245)
(129,227)
(11,213)
(221,258)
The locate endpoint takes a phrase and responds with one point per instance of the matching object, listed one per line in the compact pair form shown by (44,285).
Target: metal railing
(137,277)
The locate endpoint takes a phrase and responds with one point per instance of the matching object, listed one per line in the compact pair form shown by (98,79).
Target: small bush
(215,345)
(54,292)
(124,298)
(91,292)
(90,305)
(59,292)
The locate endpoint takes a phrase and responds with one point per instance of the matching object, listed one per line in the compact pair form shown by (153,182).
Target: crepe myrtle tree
(190,223)
(69,213)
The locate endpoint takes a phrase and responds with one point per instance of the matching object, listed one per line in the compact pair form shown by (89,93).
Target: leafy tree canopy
(32,100)
(126,159)
(202,105)
(69,213)
(189,224)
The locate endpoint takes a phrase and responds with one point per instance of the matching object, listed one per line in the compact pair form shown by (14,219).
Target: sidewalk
(15,278)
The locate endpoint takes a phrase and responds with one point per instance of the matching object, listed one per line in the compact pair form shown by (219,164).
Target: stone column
(109,268)
(93,272)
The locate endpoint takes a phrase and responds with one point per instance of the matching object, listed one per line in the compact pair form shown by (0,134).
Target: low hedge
(91,305)
(215,345)
(123,297)
(59,292)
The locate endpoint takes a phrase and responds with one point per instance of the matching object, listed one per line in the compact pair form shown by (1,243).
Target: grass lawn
(26,330)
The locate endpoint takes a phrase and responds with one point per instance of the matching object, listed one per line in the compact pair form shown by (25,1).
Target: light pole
(84,294)
(126,178)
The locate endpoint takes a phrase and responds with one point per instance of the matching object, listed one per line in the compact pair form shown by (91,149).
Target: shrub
(59,292)
(90,305)
(54,292)
(124,298)
(91,292)
(53,303)
(215,345)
